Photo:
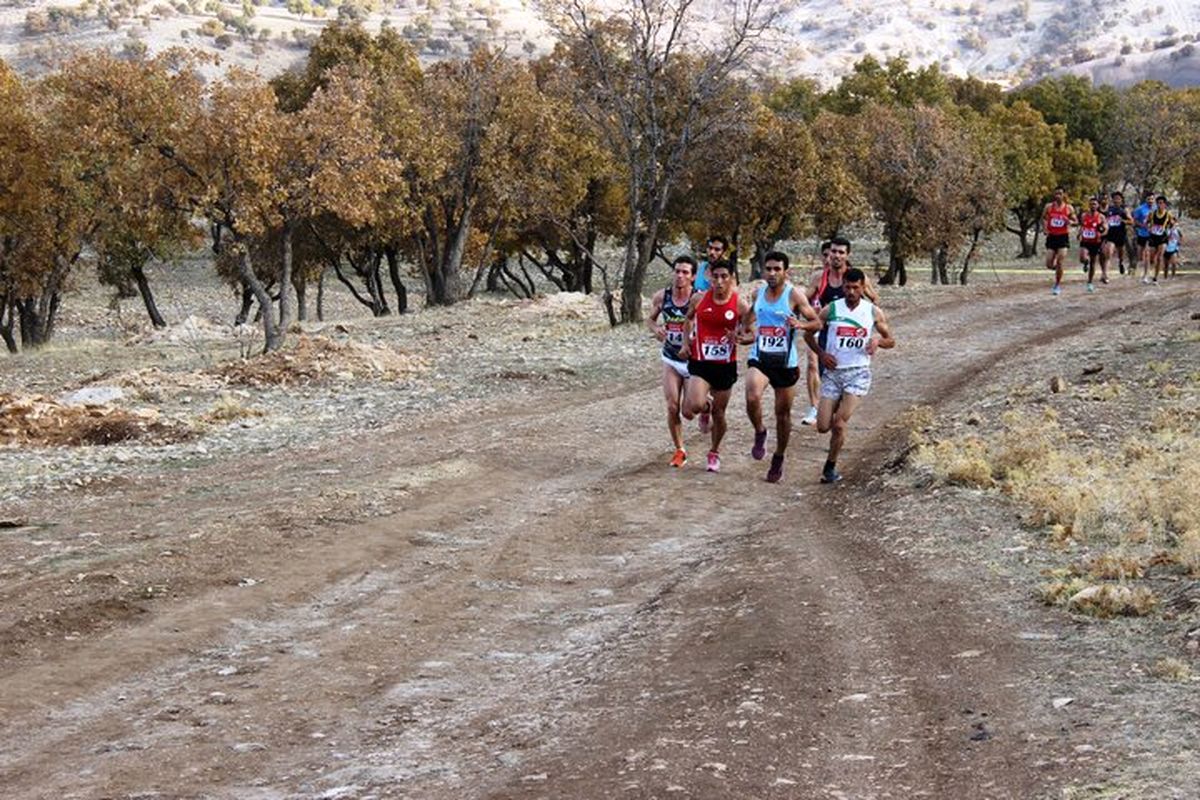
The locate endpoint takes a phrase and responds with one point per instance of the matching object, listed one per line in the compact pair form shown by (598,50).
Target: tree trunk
(301,288)
(447,276)
(285,281)
(272,333)
(36,323)
(143,287)
(321,296)
(247,302)
(966,265)
(896,273)
(8,318)
(940,258)
(393,259)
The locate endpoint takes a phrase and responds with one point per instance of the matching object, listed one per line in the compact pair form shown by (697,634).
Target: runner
(1057,217)
(825,287)
(1160,224)
(779,310)
(812,371)
(717,247)
(1117,237)
(1092,227)
(1141,217)
(710,335)
(671,304)
(855,328)
(1171,253)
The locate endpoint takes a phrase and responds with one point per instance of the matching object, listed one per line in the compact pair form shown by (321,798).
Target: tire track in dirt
(492,634)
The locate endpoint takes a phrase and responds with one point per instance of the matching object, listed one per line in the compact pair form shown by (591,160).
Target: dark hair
(854,275)
(1162,197)
(825,245)
(1117,194)
(1146,195)
(841,241)
(718,238)
(722,264)
(776,255)
(1058,189)
(691,262)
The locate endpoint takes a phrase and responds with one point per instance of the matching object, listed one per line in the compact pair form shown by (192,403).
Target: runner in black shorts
(1117,237)
(779,311)
(710,337)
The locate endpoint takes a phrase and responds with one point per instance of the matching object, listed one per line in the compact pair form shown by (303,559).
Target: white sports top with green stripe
(850,329)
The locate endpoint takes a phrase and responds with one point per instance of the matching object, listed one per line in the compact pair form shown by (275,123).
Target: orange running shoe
(679,459)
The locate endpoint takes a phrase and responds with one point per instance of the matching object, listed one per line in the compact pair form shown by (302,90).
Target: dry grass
(1124,507)
(228,408)
(1172,669)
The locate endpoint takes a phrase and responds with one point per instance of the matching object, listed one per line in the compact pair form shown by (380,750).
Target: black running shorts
(721,376)
(1058,241)
(1093,248)
(1142,241)
(778,377)
(1116,235)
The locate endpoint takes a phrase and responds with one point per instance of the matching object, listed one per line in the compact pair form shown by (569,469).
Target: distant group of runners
(701,319)
(1104,233)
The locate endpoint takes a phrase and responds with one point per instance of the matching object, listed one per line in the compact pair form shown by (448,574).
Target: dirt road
(548,611)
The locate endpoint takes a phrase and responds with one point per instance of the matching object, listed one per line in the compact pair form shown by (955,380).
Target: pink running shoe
(714,462)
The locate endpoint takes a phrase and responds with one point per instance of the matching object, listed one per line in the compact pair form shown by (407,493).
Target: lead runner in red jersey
(711,335)
(1093,226)
(1057,218)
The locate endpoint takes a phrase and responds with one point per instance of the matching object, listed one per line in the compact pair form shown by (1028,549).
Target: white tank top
(849,332)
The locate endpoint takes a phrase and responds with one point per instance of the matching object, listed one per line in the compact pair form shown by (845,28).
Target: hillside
(1002,40)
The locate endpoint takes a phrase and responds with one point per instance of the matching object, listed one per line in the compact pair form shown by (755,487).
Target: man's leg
(783,418)
(720,399)
(1058,266)
(672,383)
(756,384)
(1091,267)
(695,397)
(1156,257)
(1106,251)
(812,378)
(839,414)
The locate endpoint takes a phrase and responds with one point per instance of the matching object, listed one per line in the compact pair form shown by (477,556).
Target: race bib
(715,350)
(1089,233)
(674,333)
(772,339)
(1115,221)
(851,337)
(1058,222)
(1157,230)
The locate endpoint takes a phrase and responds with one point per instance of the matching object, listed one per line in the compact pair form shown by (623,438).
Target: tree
(1033,157)
(839,198)
(1156,130)
(1087,112)
(653,99)
(890,84)
(916,170)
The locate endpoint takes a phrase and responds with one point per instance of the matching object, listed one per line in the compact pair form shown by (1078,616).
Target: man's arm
(810,338)
(805,318)
(656,304)
(689,324)
(744,333)
(883,333)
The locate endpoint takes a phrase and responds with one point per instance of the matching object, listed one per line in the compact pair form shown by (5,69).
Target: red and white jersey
(715,326)
(1058,220)
(1089,227)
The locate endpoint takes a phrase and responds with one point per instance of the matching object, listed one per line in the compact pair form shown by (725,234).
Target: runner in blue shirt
(1141,229)
(718,246)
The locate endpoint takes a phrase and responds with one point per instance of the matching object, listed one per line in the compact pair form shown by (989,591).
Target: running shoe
(1104,281)
(1145,280)
(830,475)
(1122,268)
(704,421)
(811,417)
(679,459)
(760,445)
(1091,288)
(714,462)
(1057,290)
(776,470)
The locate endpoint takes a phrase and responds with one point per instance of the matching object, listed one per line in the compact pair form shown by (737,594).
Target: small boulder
(93,396)
(1058,384)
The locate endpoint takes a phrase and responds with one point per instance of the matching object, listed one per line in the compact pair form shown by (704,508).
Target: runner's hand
(872,345)
(828,361)
(660,333)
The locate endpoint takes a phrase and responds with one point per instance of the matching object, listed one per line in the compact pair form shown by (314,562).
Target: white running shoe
(811,417)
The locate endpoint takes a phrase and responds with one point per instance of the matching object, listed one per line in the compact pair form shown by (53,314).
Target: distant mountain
(1009,41)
